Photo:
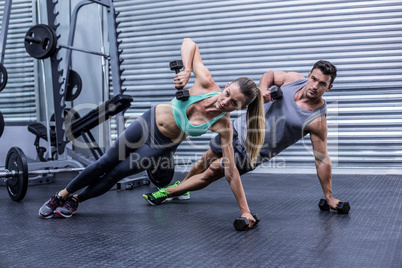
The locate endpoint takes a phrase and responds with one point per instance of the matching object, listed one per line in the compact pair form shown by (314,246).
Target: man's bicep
(318,136)
(318,142)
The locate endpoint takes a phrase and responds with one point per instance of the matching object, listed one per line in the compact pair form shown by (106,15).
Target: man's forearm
(324,173)
(266,80)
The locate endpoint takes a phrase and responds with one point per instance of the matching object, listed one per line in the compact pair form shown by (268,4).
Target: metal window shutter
(17,100)
(247,38)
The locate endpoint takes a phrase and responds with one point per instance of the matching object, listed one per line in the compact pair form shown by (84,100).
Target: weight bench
(81,126)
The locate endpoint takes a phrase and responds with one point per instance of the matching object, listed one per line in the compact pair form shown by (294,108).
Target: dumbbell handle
(241,224)
(178,71)
(176,66)
(341,207)
(276,93)
(181,94)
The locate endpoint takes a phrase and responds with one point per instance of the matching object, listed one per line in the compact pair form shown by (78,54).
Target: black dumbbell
(241,223)
(341,208)
(276,92)
(181,94)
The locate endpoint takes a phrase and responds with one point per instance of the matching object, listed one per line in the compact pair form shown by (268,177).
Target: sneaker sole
(46,217)
(178,198)
(64,215)
(150,202)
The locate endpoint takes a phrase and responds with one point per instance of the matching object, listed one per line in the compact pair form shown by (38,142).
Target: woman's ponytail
(255,127)
(255,117)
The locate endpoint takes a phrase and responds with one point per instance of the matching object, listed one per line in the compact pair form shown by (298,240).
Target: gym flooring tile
(119,229)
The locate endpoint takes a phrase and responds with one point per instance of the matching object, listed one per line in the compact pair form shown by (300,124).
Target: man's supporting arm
(318,135)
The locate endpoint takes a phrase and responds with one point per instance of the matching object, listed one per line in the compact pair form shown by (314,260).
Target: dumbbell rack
(4,29)
(3,41)
(60,75)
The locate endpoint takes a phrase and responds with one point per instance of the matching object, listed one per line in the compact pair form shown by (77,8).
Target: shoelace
(176,183)
(70,204)
(160,193)
(54,202)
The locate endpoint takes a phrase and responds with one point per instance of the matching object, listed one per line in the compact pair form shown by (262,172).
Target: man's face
(317,84)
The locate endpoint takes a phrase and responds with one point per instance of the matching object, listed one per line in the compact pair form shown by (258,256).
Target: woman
(159,131)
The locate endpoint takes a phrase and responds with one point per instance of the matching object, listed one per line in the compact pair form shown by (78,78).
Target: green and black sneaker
(185,196)
(157,197)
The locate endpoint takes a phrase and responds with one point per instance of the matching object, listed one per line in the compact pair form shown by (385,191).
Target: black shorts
(240,154)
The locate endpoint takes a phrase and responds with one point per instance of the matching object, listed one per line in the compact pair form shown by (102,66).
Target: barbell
(41,42)
(16,174)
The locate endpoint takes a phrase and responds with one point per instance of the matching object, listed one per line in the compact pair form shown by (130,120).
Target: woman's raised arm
(192,61)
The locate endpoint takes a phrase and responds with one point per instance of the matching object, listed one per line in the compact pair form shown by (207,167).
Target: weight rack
(3,41)
(16,181)
(59,76)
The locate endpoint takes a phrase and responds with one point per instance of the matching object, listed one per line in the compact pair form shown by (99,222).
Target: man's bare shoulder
(317,126)
(292,76)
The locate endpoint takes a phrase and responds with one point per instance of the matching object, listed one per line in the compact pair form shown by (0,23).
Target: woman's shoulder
(197,90)
(223,125)
(224,120)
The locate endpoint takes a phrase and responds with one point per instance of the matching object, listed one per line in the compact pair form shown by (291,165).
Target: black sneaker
(68,209)
(47,210)
(157,197)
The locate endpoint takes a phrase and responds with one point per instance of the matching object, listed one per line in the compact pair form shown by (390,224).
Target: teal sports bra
(180,115)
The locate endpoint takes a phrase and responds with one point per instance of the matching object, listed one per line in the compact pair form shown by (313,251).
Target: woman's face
(231,99)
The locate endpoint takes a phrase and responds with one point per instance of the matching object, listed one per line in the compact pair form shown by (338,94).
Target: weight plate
(74,85)
(161,176)
(17,186)
(2,124)
(40,41)
(3,77)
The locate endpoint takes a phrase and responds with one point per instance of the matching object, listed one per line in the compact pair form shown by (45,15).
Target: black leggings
(141,146)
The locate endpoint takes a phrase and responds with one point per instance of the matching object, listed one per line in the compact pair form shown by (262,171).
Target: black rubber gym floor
(119,229)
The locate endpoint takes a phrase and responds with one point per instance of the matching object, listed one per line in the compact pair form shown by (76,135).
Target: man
(302,110)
